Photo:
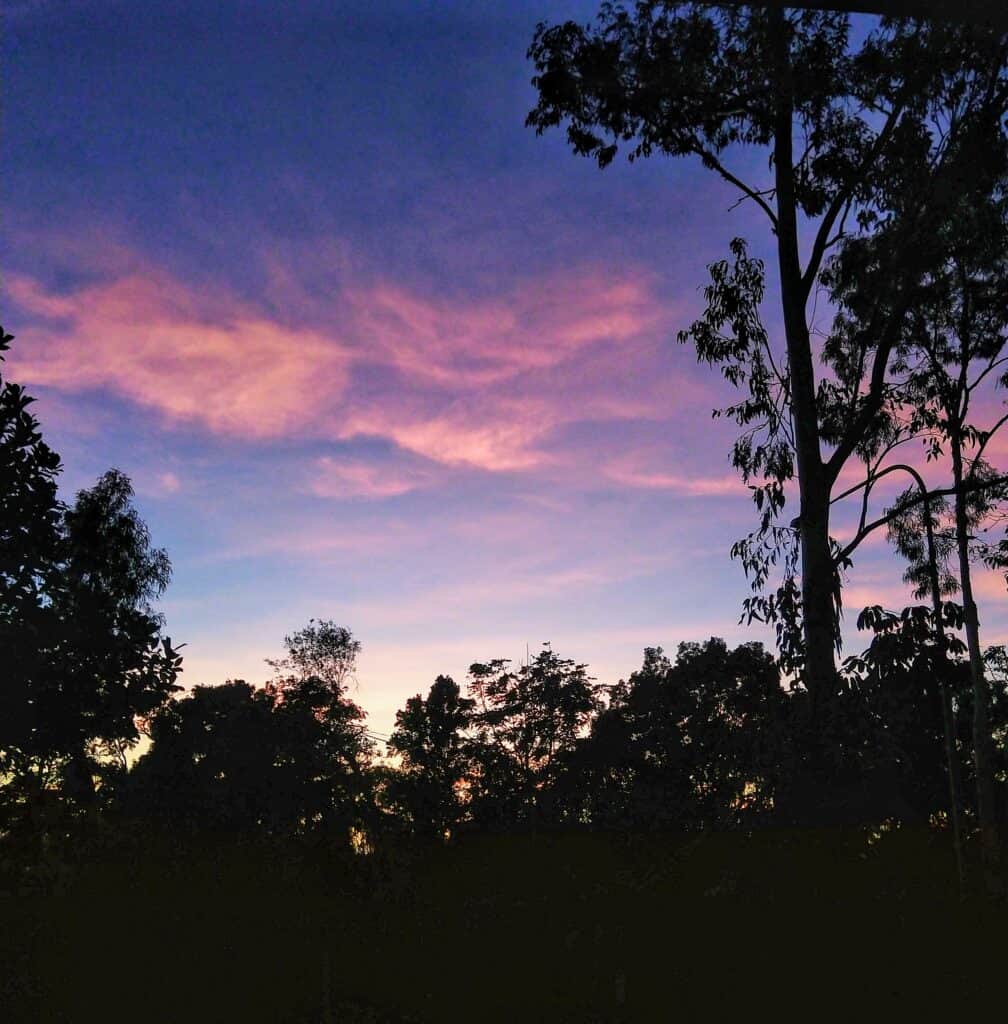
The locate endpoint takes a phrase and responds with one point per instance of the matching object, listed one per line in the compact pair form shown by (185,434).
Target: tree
(953,345)
(310,693)
(111,656)
(89,655)
(698,743)
(29,535)
(428,736)
(854,152)
(109,663)
(912,681)
(915,535)
(323,652)
(526,723)
(214,765)
(288,759)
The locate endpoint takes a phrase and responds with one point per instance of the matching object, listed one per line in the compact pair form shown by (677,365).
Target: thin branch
(873,400)
(993,365)
(844,196)
(978,485)
(712,162)
(869,481)
(983,444)
(841,231)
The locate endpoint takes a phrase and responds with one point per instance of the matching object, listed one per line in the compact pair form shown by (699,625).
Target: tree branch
(873,400)
(983,444)
(711,161)
(844,197)
(944,492)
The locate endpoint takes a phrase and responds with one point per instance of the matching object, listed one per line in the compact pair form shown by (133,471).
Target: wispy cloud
(632,471)
(356,478)
(478,381)
(538,325)
(201,359)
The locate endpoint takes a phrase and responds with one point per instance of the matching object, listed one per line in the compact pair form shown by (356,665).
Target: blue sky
(368,348)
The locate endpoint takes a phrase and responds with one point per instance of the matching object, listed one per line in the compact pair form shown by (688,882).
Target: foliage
(879,147)
(428,737)
(29,535)
(698,743)
(287,759)
(323,652)
(82,648)
(310,691)
(212,763)
(109,658)
(527,722)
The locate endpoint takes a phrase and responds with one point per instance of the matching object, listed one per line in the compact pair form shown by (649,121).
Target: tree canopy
(872,149)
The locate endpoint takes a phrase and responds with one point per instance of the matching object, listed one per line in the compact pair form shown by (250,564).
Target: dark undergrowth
(532,928)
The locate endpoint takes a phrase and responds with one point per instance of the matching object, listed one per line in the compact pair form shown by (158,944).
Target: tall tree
(916,536)
(310,690)
(700,742)
(856,153)
(109,664)
(952,349)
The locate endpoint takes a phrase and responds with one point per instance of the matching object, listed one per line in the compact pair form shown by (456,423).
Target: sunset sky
(370,350)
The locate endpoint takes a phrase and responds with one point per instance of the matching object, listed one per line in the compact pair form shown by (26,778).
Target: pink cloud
(535,327)
(201,359)
(488,431)
(479,382)
(337,478)
(630,472)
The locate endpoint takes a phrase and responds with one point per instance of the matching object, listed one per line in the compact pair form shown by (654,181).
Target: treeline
(699,742)
(709,740)
(94,726)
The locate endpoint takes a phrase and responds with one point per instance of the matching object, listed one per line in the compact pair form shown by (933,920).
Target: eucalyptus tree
(870,149)
(953,352)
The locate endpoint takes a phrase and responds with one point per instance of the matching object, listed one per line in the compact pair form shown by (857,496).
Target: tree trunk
(818,573)
(983,762)
(818,599)
(948,721)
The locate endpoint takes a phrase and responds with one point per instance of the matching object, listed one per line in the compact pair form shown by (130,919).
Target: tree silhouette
(428,737)
(527,722)
(288,759)
(949,347)
(29,536)
(109,660)
(310,693)
(854,150)
(927,551)
(698,743)
(211,765)
(85,645)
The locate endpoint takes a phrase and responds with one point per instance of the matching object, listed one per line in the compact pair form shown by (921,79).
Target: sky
(368,348)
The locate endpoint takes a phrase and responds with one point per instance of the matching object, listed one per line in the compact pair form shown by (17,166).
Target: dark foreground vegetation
(580,928)
(726,830)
